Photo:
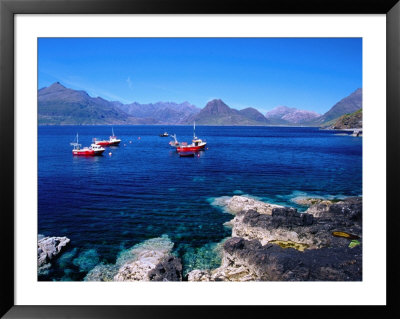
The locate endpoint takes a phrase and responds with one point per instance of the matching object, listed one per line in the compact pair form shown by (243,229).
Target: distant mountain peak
(216,112)
(290,115)
(56,85)
(216,106)
(216,101)
(253,114)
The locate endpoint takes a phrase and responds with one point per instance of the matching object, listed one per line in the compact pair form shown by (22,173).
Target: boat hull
(87,152)
(190,148)
(108,143)
(102,143)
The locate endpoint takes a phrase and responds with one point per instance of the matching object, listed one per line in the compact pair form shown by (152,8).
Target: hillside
(60,105)
(349,121)
(253,114)
(347,105)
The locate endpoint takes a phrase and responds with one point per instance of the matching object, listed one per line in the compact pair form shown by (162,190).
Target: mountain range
(60,105)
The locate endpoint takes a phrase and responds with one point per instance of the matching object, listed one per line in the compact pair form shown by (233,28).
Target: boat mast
(76,145)
(112,131)
(194,129)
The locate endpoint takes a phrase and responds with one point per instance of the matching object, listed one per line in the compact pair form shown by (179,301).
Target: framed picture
(218,194)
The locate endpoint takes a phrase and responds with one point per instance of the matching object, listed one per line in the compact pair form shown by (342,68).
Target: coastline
(268,243)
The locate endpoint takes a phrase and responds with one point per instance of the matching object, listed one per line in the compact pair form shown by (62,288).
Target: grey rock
(199,275)
(313,228)
(168,269)
(273,263)
(48,248)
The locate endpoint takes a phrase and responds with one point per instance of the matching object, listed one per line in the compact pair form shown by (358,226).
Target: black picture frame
(8,10)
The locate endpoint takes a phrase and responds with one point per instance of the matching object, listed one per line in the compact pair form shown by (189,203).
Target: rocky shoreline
(268,243)
(276,243)
(271,242)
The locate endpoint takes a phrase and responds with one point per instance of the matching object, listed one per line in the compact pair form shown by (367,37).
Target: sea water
(142,189)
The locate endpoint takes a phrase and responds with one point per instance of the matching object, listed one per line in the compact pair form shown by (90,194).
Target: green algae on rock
(290,244)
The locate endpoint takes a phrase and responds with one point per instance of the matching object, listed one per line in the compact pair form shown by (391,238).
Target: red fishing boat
(112,141)
(92,150)
(197,143)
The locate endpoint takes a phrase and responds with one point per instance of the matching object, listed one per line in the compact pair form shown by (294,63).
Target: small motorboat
(112,141)
(92,150)
(165,134)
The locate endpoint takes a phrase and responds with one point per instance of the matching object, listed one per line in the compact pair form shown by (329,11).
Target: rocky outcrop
(318,239)
(48,248)
(168,268)
(307,201)
(148,261)
(246,260)
(242,203)
(151,266)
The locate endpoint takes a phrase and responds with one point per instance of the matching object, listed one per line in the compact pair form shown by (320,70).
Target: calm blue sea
(145,190)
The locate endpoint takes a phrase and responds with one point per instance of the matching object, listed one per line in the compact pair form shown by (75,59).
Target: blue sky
(310,73)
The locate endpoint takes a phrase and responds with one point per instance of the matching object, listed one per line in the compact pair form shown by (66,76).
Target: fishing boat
(92,150)
(112,141)
(165,134)
(196,145)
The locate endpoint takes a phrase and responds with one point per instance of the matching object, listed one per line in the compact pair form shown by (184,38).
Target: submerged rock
(87,260)
(151,260)
(205,257)
(102,272)
(48,248)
